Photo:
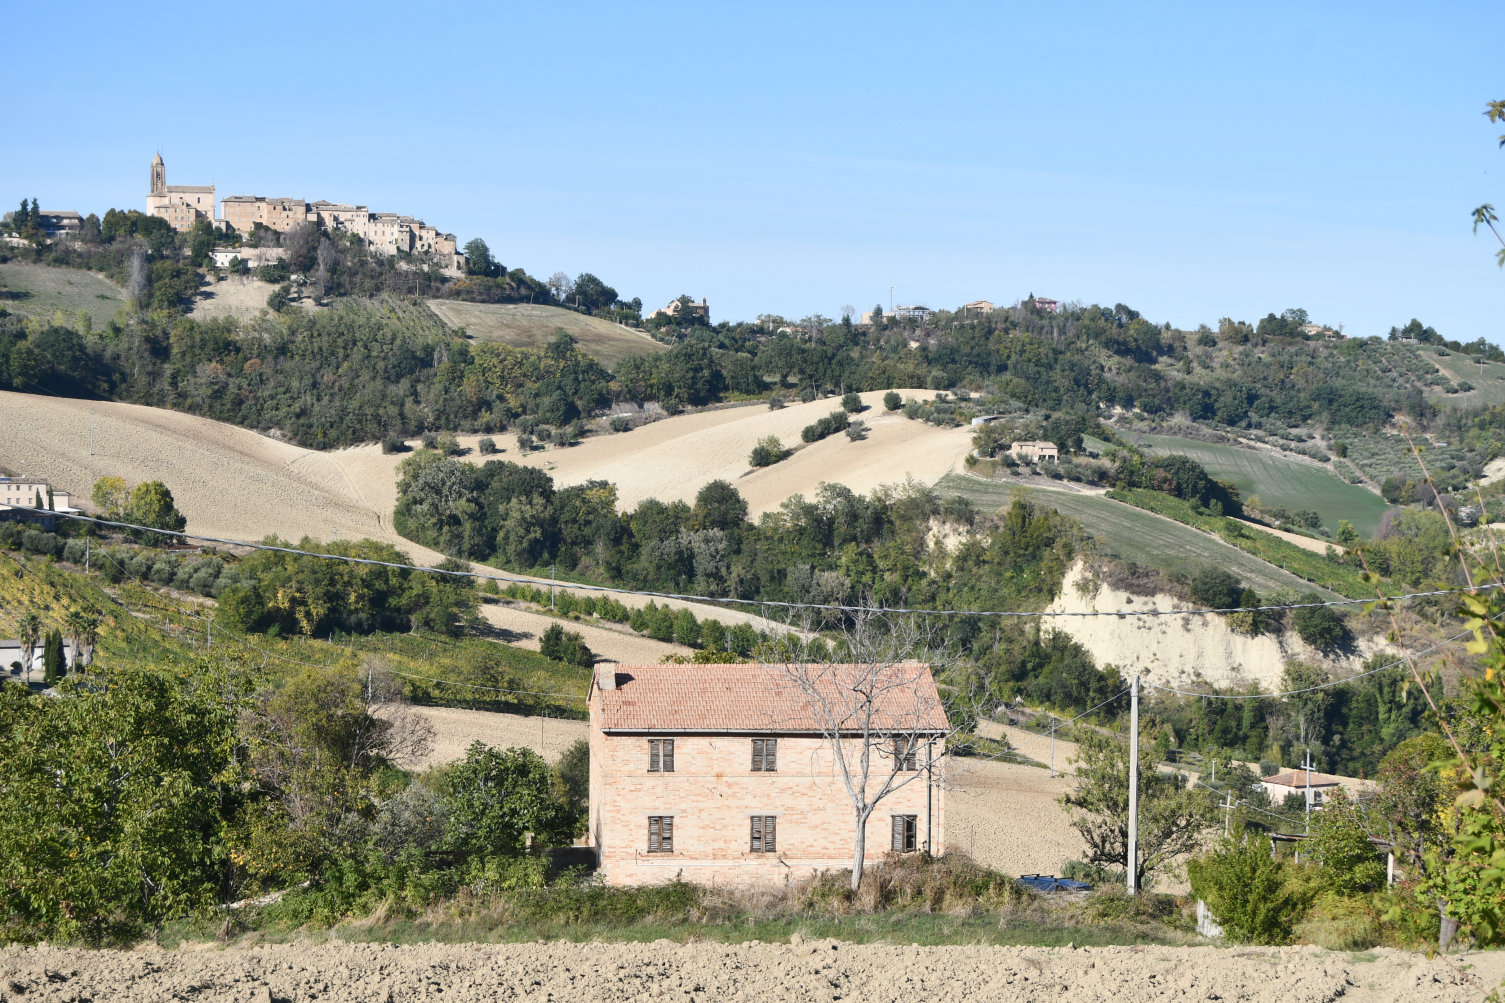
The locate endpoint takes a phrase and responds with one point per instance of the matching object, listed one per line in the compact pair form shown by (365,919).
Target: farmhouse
(977,307)
(20,494)
(1322,785)
(1034,452)
(729,773)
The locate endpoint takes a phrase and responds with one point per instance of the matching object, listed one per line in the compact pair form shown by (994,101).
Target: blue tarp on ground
(1050,883)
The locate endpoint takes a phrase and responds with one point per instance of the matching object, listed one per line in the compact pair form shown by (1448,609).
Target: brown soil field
(455,728)
(674,458)
(801,970)
(238,484)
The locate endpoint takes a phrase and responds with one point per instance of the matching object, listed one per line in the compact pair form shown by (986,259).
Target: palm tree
(1485,214)
(83,627)
(28,632)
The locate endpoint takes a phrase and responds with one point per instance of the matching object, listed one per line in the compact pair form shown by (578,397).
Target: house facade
(723,774)
(1322,785)
(1034,452)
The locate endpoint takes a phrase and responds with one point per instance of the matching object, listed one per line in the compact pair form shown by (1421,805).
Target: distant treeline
(364,370)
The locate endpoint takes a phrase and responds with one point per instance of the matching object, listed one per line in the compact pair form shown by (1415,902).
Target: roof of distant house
(748,697)
(1298,778)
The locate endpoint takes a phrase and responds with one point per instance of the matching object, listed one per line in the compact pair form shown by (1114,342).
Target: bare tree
(876,709)
(136,275)
(328,256)
(561,285)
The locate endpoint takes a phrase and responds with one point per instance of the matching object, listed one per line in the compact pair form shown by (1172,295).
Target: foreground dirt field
(816,970)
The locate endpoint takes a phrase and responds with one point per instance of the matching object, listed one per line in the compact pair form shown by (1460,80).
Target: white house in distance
(723,773)
(1295,781)
(18,493)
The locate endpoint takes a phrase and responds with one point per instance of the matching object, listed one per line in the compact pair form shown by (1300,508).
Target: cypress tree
(52,658)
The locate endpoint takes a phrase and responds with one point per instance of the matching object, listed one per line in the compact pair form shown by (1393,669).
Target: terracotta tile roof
(750,697)
(1297,778)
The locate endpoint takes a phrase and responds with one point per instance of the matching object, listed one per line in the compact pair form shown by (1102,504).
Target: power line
(721,600)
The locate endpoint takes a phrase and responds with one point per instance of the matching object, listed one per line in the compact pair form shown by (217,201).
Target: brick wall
(712,795)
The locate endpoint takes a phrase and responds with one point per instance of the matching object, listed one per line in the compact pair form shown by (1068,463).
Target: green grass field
(1278,480)
(1488,380)
(1133,534)
(41,291)
(528,326)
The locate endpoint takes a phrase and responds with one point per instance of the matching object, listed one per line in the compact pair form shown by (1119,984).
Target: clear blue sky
(1190,160)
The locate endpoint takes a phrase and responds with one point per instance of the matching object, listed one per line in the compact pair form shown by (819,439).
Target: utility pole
(87,540)
(1129,870)
(1052,745)
(1308,766)
(1227,811)
(91,431)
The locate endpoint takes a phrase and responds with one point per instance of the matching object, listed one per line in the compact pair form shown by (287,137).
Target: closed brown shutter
(668,840)
(757,750)
(755,842)
(668,755)
(771,755)
(655,834)
(898,846)
(653,758)
(770,828)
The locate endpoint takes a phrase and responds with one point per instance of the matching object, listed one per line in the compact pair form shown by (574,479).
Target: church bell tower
(159,176)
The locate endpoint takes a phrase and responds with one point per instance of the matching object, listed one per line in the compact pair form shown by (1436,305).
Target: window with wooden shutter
(905,833)
(661,755)
(764,834)
(905,753)
(765,757)
(660,833)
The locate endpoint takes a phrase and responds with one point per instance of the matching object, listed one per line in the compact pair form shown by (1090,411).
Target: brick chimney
(606,675)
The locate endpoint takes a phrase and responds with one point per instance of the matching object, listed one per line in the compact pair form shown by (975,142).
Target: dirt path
(805,971)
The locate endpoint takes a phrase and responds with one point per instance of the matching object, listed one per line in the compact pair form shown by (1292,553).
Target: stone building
(388,232)
(181,205)
(725,773)
(1034,452)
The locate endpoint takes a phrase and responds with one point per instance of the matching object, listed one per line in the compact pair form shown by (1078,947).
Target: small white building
(18,494)
(12,660)
(254,257)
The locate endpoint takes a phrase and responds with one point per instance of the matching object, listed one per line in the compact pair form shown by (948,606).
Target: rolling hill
(526,325)
(40,291)
(1278,480)
(1131,533)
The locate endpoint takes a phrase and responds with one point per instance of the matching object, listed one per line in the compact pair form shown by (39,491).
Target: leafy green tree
(497,798)
(574,775)
(151,504)
(136,782)
(851,402)
(767,452)
(1249,892)
(565,646)
(1172,817)
(892,400)
(1340,843)
(1321,626)
(478,259)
